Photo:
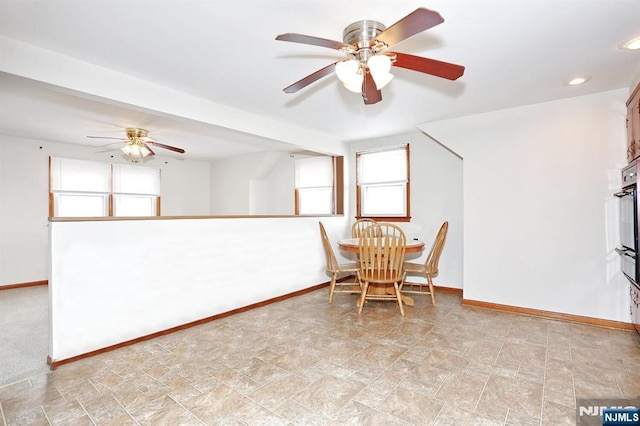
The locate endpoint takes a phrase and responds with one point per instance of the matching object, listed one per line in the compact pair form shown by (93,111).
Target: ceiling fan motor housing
(361,34)
(136,133)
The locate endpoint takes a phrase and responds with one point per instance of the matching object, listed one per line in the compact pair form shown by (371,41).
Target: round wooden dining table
(352,245)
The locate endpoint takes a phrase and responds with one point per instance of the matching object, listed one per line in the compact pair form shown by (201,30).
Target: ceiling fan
(137,144)
(366,44)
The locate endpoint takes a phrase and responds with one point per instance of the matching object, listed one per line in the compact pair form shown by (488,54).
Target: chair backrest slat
(382,249)
(359,226)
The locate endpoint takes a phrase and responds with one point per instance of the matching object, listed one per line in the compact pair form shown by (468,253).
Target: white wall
(281,187)
(192,269)
(540,221)
(24,199)
(186,187)
(231,187)
(436,196)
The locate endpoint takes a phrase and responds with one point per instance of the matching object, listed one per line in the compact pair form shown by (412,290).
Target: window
(80,205)
(136,190)
(382,184)
(315,185)
(81,188)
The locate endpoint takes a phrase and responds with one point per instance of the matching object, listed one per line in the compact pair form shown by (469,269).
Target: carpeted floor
(24,333)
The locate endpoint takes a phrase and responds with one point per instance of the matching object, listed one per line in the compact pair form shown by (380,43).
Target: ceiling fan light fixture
(132,150)
(350,74)
(347,69)
(379,66)
(355,84)
(135,150)
(383,80)
(144,150)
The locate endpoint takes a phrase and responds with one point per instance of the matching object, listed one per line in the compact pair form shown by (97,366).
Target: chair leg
(399,297)
(433,294)
(362,297)
(332,286)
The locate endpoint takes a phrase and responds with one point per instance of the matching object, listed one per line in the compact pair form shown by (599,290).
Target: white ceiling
(515,53)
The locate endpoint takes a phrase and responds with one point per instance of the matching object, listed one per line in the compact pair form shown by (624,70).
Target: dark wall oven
(628,248)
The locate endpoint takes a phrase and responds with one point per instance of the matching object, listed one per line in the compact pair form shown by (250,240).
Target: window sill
(386,218)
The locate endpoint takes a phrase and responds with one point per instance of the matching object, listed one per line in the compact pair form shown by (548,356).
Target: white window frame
(59,198)
(109,182)
(135,183)
(366,181)
(315,176)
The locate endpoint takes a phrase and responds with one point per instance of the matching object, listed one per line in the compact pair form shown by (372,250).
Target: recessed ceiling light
(633,44)
(576,81)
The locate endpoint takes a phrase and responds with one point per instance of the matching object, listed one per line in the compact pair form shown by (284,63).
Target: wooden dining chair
(334,269)
(381,256)
(429,268)
(359,226)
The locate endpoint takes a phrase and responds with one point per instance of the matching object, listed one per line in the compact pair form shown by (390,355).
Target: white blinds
(80,176)
(136,180)
(383,166)
(69,175)
(314,172)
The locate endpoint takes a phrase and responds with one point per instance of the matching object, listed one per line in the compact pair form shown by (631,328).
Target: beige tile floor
(304,362)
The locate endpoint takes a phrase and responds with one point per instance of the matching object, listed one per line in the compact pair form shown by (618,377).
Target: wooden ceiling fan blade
(417,21)
(315,41)
(311,78)
(429,66)
(169,147)
(370,93)
(149,148)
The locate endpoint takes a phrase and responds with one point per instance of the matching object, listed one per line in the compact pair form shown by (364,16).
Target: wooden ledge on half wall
(122,218)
